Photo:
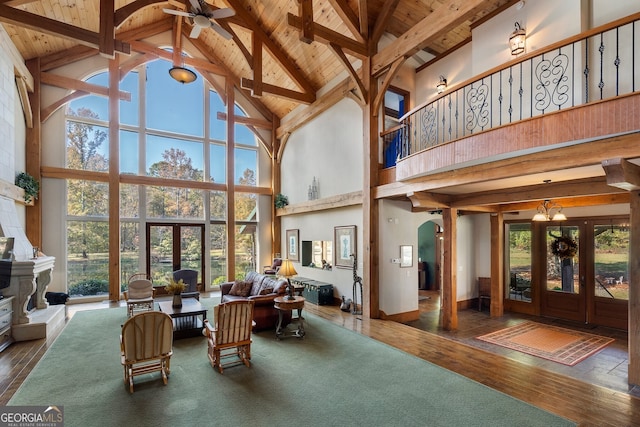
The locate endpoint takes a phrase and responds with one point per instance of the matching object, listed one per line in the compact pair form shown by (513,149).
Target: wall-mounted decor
(406,256)
(293,245)
(344,245)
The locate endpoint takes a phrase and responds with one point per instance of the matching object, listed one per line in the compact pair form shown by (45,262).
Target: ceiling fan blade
(177,12)
(196,5)
(195,32)
(224,33)
(222,13)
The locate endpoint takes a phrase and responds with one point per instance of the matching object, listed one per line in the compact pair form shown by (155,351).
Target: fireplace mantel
(27,278)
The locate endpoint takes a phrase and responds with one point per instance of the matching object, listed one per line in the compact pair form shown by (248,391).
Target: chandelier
(546,212)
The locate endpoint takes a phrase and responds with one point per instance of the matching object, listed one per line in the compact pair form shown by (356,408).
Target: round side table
(286,304)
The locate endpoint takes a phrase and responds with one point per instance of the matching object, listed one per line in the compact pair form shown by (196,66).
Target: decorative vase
(177,301)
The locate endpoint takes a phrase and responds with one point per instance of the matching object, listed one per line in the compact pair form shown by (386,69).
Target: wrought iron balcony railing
(595,65)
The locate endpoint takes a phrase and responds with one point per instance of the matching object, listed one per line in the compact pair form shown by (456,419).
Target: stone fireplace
(26,278)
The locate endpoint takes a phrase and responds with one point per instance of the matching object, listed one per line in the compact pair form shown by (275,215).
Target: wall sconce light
(517,40)
(545,212)
(442,84)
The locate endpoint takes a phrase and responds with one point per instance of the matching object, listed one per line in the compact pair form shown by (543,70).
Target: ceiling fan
(203,16)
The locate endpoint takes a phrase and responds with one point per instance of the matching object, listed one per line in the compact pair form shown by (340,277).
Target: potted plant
(29,184)
(281,201)
(175,288)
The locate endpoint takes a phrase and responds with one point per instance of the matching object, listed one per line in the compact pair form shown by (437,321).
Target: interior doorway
(429,256)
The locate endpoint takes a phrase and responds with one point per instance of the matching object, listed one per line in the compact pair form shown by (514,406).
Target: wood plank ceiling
(286,74)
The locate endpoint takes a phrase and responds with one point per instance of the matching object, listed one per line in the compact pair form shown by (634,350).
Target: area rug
(548,342)
(332,377)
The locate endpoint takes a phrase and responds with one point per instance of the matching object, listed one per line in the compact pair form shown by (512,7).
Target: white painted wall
(330,149)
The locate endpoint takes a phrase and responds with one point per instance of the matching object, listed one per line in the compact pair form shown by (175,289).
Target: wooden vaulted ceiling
(282,51)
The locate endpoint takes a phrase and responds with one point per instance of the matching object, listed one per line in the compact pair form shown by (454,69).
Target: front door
(586,275)
(563,280)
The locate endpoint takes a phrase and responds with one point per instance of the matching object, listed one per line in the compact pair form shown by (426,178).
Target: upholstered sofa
(263,290)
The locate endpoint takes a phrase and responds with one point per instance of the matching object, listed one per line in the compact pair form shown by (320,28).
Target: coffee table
(188,320)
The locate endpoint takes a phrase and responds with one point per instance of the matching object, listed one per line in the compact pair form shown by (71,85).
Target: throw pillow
(266,291)
(240,288)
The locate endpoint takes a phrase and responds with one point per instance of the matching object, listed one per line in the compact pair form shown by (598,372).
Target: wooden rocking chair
(230,335)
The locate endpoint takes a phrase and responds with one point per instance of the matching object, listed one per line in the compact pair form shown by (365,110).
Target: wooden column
(634,290)
(231,202)
(114,179)
(276,185)
(497,264)
(370,218)
(449,310)
(33,153)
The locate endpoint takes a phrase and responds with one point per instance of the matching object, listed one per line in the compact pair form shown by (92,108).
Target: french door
(584,272)
(173,247)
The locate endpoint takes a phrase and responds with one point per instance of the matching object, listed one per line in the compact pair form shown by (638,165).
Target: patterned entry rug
(548,342)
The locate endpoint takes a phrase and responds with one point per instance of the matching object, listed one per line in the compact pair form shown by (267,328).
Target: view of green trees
(87,210)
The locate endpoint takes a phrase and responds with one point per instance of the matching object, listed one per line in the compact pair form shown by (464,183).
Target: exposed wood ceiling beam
(211,67)
(363,13)
(287,63)
(426,200)
(247,121)
(381,23)
(52,27)
(107,29)
(147,30)
(256,68)
(535,193)
(332,97)
(66,56)
(125,12)
(393,70)
(352,72)
(205,50)
(305,98)
(73,84)
(442,19)
(571,202)
(622,174)
(326,35)
(305,10)
(349,18)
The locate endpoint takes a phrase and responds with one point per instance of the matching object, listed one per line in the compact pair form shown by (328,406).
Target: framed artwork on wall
(345,246)
(293,245)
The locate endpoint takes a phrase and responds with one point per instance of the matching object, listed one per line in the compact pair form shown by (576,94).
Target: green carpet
(334,377)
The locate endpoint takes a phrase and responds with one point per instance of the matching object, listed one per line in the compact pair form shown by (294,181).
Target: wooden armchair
(230,335)
(139,294)
(146,345)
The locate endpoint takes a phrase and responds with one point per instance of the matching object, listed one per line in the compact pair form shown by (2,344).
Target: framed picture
(406,256)
(293,245)
(344,246)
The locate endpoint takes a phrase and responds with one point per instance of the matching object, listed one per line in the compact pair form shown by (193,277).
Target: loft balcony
(576,91)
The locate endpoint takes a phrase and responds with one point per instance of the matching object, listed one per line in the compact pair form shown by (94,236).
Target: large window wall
(168,132)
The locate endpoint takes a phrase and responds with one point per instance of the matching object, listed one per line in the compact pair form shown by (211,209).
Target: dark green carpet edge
(333,376)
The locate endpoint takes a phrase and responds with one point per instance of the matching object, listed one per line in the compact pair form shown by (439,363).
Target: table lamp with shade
(287,271)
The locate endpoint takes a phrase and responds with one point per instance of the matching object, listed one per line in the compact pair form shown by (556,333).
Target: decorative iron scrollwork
(552,87)
(478,114)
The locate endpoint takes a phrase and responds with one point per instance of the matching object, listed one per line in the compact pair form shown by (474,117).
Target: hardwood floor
(591,393)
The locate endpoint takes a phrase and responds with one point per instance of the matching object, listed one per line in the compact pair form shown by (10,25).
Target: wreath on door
(564,247)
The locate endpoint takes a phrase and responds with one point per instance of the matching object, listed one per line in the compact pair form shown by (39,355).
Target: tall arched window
(164,135)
